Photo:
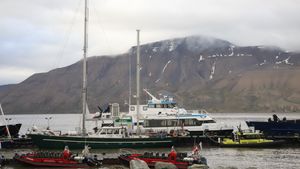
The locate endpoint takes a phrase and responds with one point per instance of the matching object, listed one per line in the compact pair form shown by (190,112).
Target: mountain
(202,73)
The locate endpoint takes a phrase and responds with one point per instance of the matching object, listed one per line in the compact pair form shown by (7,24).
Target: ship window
(209,121)
(158,106)
(132,108)
(169,123)
(198,123)
(155,123)
(163,123)
(181,122)
(151,106)
(146,123)
(174,122)
(145,108)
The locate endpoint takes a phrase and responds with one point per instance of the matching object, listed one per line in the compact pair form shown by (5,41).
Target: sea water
(217,158)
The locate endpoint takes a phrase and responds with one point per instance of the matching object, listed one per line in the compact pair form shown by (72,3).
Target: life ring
(174,134)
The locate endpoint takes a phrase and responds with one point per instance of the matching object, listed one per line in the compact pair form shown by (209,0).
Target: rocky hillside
(201,72)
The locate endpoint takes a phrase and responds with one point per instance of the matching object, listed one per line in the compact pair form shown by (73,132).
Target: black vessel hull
(13,129)
(281,128)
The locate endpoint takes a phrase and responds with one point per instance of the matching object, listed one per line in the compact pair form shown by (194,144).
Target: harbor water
(240,158)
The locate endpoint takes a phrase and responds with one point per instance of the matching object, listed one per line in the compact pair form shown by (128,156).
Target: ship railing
(201,111)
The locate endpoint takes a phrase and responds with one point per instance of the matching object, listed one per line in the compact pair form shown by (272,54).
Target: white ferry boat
(164,115)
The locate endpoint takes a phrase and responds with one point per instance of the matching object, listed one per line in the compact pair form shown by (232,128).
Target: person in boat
(66,153)
(275,118)
(173,154)
(86,151)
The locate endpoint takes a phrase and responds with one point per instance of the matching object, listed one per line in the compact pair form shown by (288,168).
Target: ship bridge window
(171,105)
(151,105)
(209,121)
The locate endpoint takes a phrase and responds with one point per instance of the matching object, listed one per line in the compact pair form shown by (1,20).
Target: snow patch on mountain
(212,72)
(200,58)
(166,66)
(231,50)
(155,49)
(263,63)
(172,46)
(285,61)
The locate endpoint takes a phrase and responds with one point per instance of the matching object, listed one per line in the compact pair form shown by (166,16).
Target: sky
(40,35)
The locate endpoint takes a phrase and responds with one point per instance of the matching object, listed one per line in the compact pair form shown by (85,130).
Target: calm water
(241,158)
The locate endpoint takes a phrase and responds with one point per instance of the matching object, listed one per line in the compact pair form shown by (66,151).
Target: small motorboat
(59,159)
(181,160)
(249,139)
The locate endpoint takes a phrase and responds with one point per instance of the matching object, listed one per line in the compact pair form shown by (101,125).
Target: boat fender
(79,158)
(188,159)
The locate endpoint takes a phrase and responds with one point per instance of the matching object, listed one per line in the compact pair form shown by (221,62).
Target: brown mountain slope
(201,72)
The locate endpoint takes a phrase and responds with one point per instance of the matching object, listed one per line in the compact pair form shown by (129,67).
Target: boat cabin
(112,132)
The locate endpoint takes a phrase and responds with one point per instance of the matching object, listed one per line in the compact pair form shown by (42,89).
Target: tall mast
(84,79)
(129,98)
(138,82)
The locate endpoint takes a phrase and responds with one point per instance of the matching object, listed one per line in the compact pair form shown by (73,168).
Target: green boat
(107,138)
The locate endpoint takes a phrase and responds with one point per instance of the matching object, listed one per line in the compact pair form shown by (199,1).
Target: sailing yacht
(109,137)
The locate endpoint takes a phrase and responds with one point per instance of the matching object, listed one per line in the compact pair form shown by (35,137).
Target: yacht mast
(129,98)
(84,79)
(138,82)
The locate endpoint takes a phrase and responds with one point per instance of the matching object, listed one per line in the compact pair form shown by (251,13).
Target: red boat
(181,160)
(57,159)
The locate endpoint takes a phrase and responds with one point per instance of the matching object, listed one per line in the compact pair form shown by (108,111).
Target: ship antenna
(152,97)
(84,78)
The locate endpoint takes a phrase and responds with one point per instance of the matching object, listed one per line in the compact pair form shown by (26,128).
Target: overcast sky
(40,35)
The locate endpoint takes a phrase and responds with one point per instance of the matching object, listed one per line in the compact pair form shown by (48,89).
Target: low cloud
(41,35)
(10,75)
